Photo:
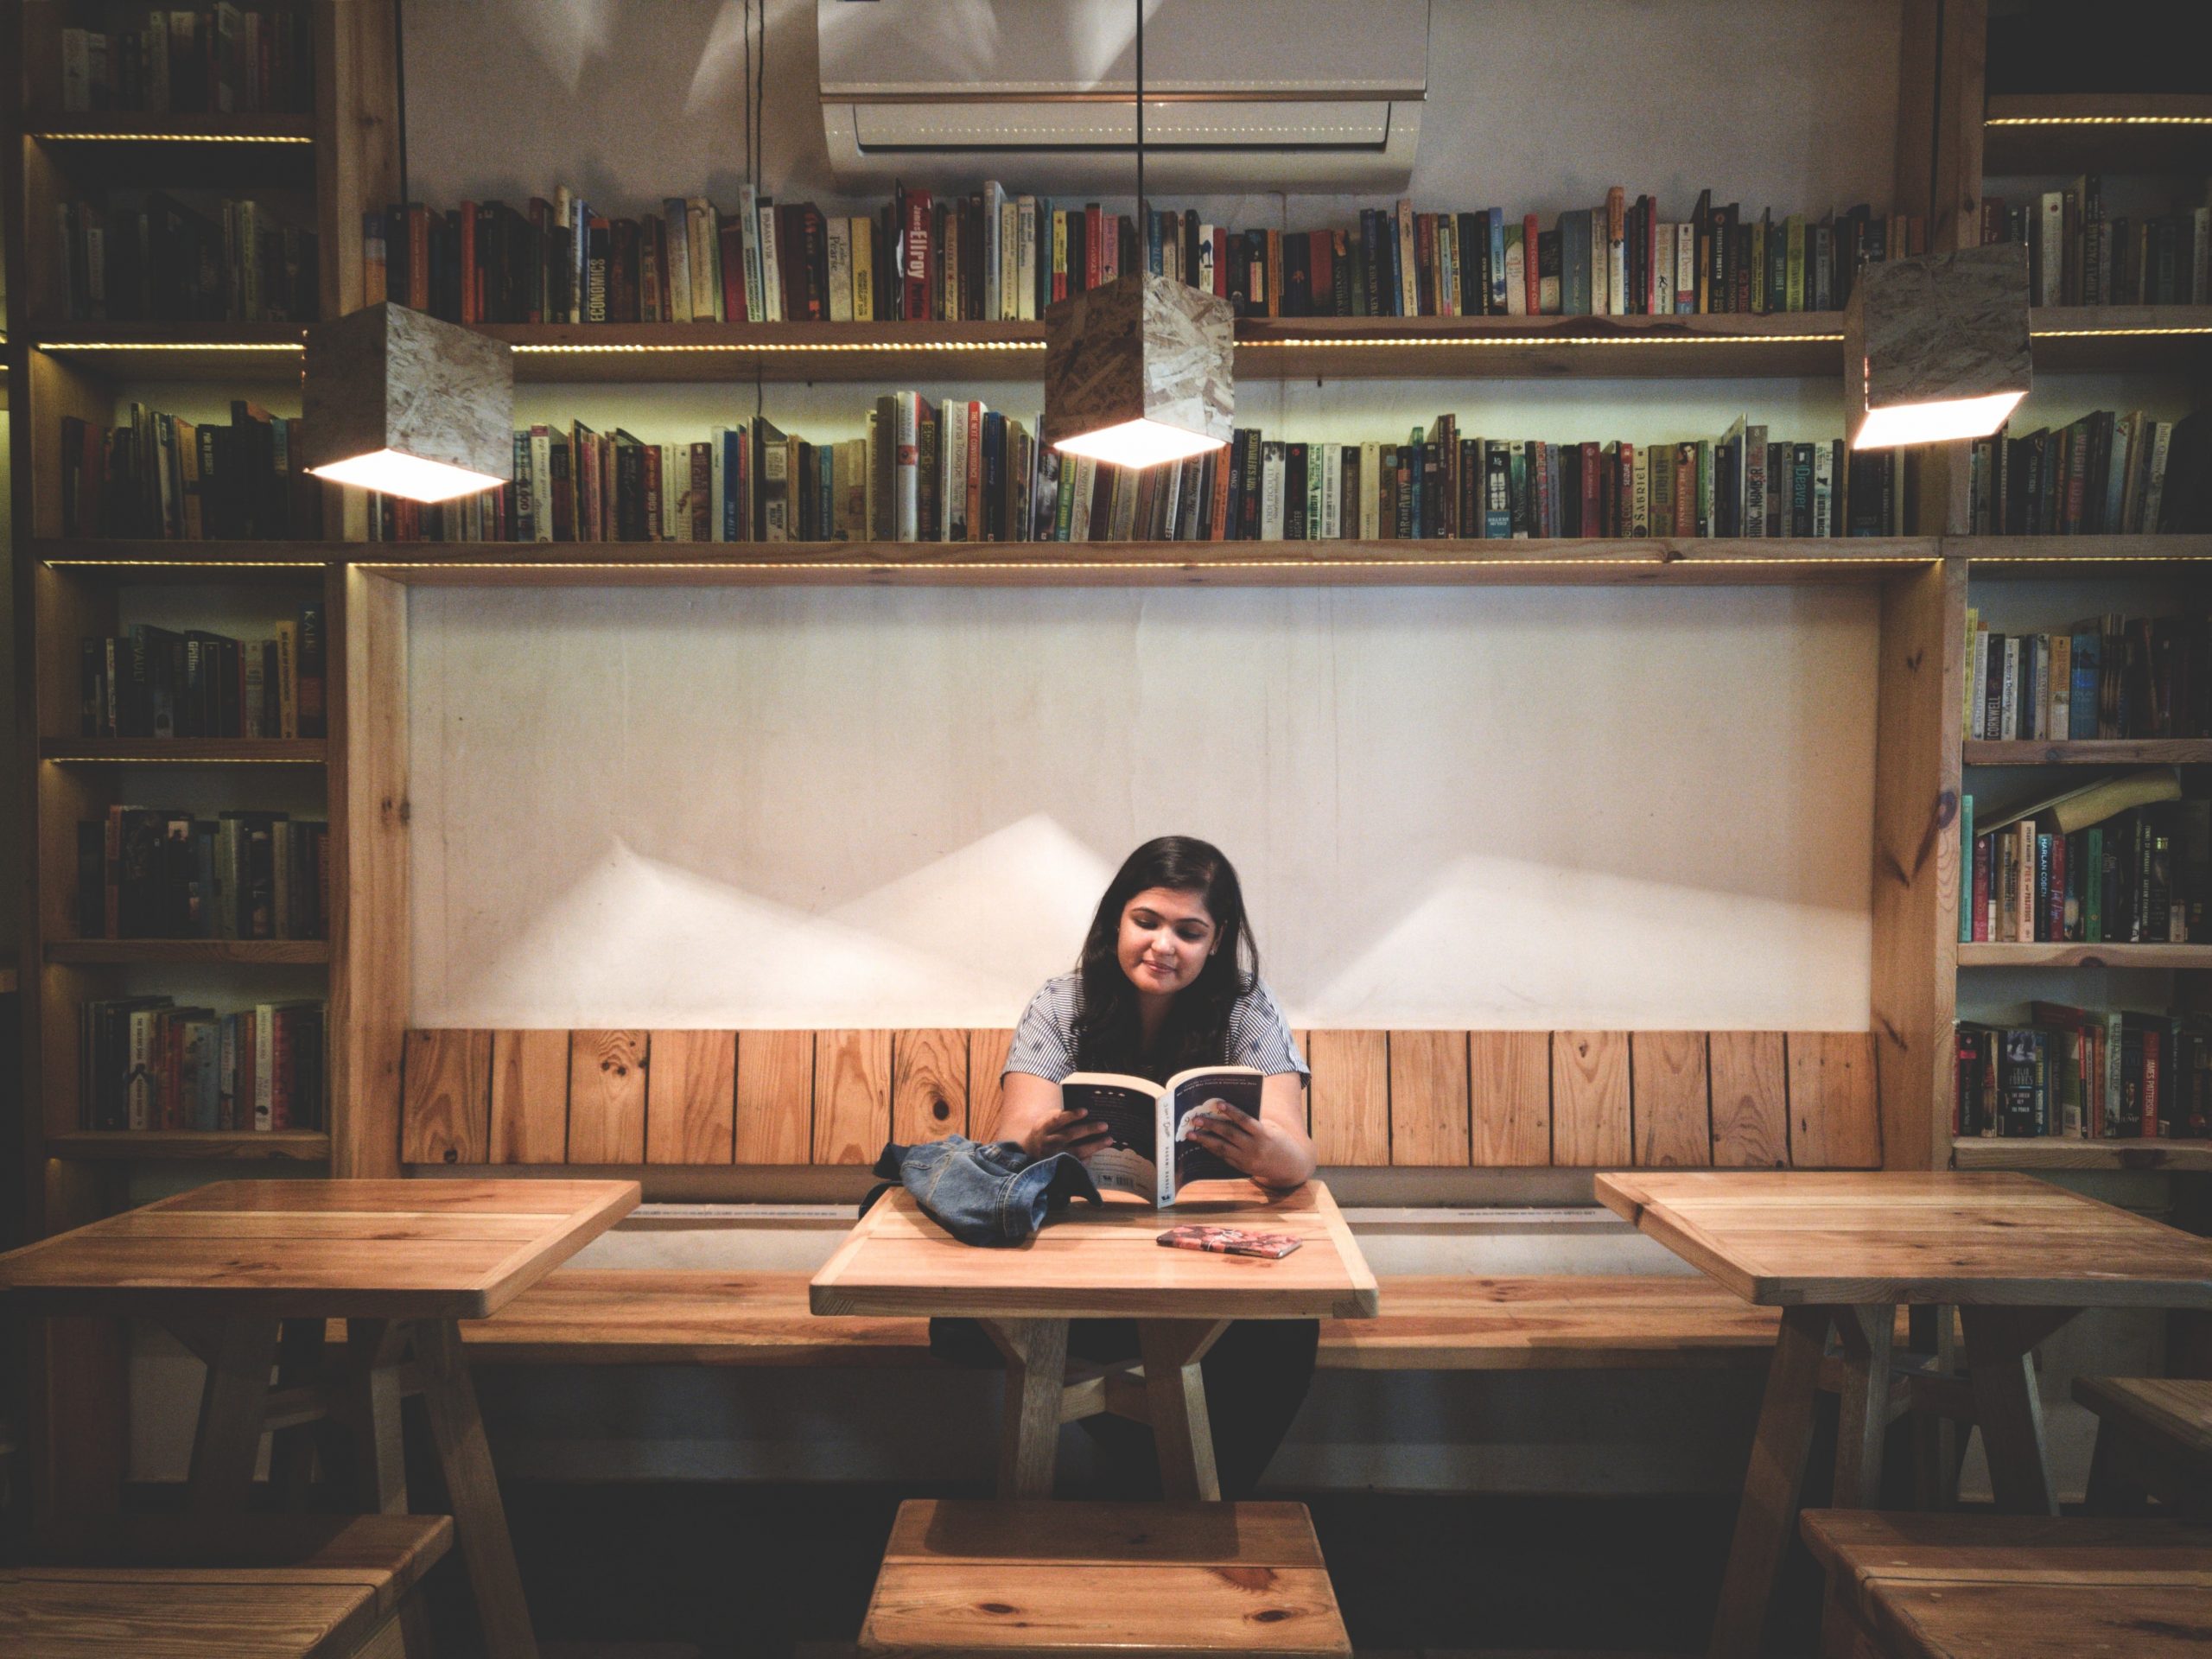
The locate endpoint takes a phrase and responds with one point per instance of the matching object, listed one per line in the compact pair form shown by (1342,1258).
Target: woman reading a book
(1169,980)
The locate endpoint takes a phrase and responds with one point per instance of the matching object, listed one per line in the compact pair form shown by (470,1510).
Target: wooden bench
(1944,1586)
(581,1316)
(2154,1438)
(251,1587)
(1104,1578)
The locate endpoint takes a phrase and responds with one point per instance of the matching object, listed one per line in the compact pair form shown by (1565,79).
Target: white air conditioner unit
(1240,95)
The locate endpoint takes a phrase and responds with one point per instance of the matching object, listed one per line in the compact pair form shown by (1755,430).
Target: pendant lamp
(1936,348)
(1140,371)
(399,402)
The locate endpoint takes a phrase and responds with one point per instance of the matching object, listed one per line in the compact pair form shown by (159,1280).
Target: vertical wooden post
(1914,989)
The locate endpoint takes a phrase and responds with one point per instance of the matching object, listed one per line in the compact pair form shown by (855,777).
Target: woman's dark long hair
(1108,1034)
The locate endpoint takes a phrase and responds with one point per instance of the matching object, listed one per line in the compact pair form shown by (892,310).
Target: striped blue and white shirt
(1043,1041)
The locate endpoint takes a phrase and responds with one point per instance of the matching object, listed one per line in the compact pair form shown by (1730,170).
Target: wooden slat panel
(606,1096)
(1674,1119)
(929,1086)
(775,1096)
(986,1052)
(1510,1079)
(1750,1100)
(691,1097)
(1834,1122)
(852,1096)
(1428,1097)
(1351,1097)
(445,1098)
(530,1096)
(1590,1096)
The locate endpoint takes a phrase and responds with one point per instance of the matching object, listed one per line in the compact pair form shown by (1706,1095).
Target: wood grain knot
(940,1110)
(999,1607)
(453,1154)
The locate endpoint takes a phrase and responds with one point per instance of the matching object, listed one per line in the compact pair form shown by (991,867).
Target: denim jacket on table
(984,1194)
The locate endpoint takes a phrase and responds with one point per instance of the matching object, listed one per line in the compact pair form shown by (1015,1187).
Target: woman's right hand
(1066,1131)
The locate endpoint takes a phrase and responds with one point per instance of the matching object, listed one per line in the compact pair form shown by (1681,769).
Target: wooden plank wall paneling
(1431,1099)
(929,1086)
(691,1097)
(852,1096)
(1669,1098)
(1350,1106)
(775,1096)
(1590,1098)
(530,1098)
(445,1083)
(606,1096)
(987,1053)
(1750,1100)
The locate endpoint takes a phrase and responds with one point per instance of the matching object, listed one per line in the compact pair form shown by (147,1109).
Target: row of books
(2104,677)
(144,1063)
(221,59)
(2106,473)
(990,257)
(163,477)
(155,681)
(2093,1074)
(147,256)
(960,471)
(2077,256)
(160,873)
(2124,862)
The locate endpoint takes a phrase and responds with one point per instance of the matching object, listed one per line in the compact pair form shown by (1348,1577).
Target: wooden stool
(247,1586)
(2154,1437)
(2026,1586)
(1108,1579)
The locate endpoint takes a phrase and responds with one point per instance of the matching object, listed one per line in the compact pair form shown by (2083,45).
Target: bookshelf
(2097,132)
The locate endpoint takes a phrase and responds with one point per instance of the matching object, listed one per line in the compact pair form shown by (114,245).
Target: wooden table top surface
(1105,1263)
(1789,1237)
(416,1249)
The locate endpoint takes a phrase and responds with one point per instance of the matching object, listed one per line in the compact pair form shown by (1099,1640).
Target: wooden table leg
(292,1449)
(1863,1407)
(1036,1378)
(1175,1398)
(479,1519)
(2001,1344)
(232,1405)
(374,1349)
(1766,1520)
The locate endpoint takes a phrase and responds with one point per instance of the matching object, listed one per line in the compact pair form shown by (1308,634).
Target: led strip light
(173,137)
(2098,121)
(183,759)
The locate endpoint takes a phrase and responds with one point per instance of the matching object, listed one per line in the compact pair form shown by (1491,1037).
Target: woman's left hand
(1260,1148)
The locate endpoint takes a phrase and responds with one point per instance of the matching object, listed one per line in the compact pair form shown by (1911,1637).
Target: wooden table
(1105,1263)
(247,1272)
(2016,1256)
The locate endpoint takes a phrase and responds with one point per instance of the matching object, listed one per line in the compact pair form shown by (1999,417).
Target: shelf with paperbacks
(2090,752)
(2050,954)
(2063,1151)
(2097,132)
(262,952)
(297,1146)
(183,751)
(1646,561)
(2109,338)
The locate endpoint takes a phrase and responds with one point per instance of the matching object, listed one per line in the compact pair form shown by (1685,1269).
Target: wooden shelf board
(2091,132)
(2036,555)
(130,128)
(2085,956)
(260,353)
(2056,1152)
(2091,751)
(121,561)
(276,951)
(301,1146)
(184,751)
(2116,339)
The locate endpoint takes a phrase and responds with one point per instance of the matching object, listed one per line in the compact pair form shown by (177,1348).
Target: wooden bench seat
(581,1316)
(251,1587)
(1946,1586)
(1106,1578)
(2154,1437)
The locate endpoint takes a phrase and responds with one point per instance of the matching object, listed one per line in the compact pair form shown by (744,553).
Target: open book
(1150,1152)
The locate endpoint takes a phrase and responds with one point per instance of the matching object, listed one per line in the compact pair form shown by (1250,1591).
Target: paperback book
(1149,1150)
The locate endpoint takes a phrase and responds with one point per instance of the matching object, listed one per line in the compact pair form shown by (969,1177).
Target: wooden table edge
(517,1276)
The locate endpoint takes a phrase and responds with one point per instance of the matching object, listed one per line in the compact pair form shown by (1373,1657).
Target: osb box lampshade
(1139,371)
(396,401)
(1936,348)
